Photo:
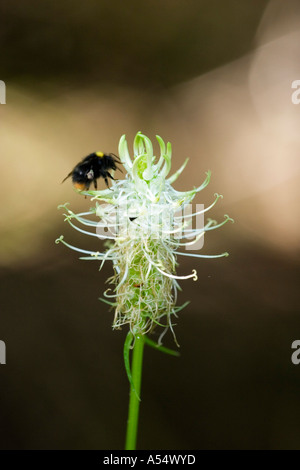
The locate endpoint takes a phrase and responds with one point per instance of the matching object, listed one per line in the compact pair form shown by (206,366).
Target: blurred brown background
(214,78)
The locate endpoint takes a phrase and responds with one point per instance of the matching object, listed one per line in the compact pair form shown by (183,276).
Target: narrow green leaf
(113,304)
(177,309)
(154,345)
(178,172)
(126,353)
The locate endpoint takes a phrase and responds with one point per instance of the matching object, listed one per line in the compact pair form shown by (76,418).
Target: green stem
(135,388)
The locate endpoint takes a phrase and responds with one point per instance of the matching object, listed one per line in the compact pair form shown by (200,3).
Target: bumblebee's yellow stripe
(99,154)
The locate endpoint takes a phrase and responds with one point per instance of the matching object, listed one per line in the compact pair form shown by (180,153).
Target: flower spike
(144,221)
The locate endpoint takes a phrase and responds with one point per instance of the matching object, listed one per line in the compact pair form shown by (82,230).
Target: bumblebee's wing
(70,174)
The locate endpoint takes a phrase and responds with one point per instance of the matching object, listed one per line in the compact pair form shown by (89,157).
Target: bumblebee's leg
(67,176)
(95,183)
(111,177)
(87,186)
(115,157)
(106,182)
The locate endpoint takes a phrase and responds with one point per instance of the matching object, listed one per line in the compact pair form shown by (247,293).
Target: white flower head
(141,217)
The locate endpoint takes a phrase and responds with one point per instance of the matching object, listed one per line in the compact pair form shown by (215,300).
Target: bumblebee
(94,166)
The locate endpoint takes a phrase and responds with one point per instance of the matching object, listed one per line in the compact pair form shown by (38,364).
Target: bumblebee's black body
(92,167)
